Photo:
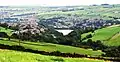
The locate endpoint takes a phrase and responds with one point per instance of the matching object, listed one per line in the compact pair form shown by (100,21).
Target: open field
(15,56)
(40,46)
(105,33)
(109,35)
(114,41)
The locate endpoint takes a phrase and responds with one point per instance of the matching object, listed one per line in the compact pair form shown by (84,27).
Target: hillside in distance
(81,16)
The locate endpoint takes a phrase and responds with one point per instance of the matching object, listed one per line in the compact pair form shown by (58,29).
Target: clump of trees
(5,25)
(3,35)
(113,51)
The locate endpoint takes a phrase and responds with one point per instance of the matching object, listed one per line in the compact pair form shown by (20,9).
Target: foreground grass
(15,56)
(40,46)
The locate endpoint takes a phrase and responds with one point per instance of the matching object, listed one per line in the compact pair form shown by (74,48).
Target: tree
(4,35)
(76,35)
(89,42)
(113,51)
(5,25)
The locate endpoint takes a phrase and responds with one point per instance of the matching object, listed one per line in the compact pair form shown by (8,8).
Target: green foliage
(114,41)
(113,51)
(85,34)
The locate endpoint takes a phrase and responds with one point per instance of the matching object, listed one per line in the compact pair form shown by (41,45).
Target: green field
(105,33)
(40,46)
(109,36)
(15,56)
(114,41)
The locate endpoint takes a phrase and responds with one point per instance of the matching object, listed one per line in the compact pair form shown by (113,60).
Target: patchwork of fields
(109,35)
(42,43)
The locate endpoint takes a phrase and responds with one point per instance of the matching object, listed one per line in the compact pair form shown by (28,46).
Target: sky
(54,2)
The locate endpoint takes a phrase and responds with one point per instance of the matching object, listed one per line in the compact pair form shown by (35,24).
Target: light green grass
(109,36)
(15,56)
(53,47)
(105,33)
(114,41)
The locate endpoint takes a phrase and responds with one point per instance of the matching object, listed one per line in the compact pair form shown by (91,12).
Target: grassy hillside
(15,56)
(105,33)
(52,47)
(109,35)
(114,41)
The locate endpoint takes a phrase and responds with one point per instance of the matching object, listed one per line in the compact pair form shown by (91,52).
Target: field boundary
(111,36)
(56,53)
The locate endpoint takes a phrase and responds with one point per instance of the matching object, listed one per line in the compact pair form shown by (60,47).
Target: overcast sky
(55,2)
